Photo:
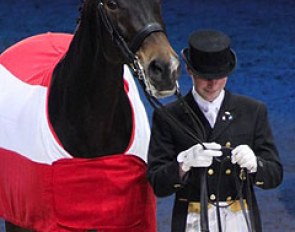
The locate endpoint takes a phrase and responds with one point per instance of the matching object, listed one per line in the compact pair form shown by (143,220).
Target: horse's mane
(83,71)
(88,32)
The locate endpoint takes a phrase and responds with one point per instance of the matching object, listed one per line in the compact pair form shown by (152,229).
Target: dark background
(263,36)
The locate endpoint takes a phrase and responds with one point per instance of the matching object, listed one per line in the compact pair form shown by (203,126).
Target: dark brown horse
(89,79)
(88,107)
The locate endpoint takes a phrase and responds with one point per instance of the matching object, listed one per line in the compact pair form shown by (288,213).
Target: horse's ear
(80,11)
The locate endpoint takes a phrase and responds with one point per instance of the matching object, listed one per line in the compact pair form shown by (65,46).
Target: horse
(74,95)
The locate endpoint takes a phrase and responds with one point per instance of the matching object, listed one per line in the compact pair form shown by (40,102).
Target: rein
(134,63)
(203,171)
(204,222)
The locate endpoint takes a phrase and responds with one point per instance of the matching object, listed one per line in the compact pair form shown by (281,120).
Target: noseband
(129,51)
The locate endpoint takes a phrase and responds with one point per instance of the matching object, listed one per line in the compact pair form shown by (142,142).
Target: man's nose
(212,82)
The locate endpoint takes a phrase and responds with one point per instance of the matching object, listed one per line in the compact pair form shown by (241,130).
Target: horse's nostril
(156,69)
(162,75)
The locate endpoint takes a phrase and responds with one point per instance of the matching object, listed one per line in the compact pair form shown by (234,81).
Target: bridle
(129,52)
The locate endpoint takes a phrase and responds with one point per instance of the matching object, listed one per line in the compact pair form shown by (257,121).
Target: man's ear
(189,71)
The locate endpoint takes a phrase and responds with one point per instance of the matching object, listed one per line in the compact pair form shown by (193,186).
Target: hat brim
(218,75)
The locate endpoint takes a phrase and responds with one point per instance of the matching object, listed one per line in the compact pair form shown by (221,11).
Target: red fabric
(109,194)
(41,52)
(26,192)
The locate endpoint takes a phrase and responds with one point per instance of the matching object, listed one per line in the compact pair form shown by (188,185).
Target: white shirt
(209,109)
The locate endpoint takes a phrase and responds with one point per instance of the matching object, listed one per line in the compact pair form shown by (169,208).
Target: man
(212,130)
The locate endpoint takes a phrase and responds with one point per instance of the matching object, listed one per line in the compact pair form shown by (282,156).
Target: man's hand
(197,156)
(244,157)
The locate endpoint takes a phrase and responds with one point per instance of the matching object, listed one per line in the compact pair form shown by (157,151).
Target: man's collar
(206,105)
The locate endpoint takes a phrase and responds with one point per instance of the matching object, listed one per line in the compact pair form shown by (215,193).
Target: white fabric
(197,156)
(23,121)
(142,132)
(244,156)
(24,125)
(230,221)
(210,109)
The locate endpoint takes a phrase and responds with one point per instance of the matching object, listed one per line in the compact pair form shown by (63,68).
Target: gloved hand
(197,156)
(244,157)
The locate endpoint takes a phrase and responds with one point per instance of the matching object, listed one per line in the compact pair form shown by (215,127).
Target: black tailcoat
(241,120)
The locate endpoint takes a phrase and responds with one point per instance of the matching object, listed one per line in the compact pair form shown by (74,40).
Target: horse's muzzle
(163,77)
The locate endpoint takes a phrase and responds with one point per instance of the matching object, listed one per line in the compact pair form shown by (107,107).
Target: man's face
(209,89)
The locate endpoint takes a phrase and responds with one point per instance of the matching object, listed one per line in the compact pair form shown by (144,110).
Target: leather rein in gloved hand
(204,222)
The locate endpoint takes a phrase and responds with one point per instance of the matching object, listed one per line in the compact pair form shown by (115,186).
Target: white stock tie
(210,113)
(210,109)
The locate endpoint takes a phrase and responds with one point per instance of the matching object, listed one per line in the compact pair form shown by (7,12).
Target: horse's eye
(112,5)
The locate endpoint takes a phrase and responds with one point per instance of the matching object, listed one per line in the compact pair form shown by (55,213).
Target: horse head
(137,28)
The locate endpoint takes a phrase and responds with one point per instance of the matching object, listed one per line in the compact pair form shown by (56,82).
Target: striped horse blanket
(42,186)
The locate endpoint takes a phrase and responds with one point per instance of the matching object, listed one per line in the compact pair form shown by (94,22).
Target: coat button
(228,144)
(260,163)
(259,183)
(177,186)
(212,197)
(228,171)
(210,172)
(243,175)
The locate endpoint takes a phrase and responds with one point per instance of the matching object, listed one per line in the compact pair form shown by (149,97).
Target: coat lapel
(198,128)
(225,117)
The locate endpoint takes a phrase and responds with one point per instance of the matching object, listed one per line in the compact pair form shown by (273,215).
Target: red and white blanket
(42,187)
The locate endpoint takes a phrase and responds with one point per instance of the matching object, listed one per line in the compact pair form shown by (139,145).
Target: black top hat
(209,54)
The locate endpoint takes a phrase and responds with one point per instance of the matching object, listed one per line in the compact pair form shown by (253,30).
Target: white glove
(244,157)
(197,156)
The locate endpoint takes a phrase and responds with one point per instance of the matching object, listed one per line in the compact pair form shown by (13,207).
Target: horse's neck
(88,107)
